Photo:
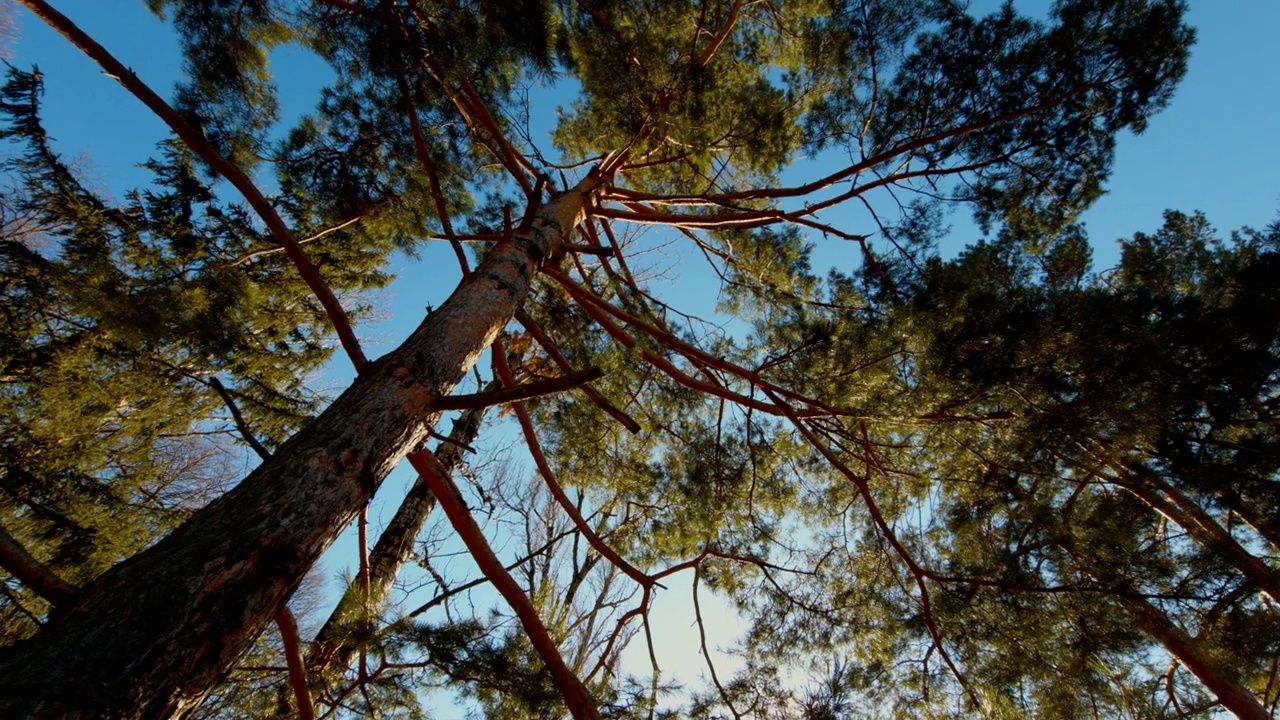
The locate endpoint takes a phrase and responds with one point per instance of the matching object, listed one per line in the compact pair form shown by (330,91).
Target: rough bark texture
(1233,695)
(155,634)
(333,645)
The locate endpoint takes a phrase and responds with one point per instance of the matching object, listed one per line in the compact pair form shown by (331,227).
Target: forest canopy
(993,483)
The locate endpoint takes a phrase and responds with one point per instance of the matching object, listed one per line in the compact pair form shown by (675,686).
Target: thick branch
(576,696)
(196,141)
(293,655)
(549,479)
(1234,695)
(21,564)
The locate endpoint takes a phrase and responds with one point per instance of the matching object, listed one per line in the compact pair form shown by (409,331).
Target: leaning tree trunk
(154,635)
(334,646)
(1238,699)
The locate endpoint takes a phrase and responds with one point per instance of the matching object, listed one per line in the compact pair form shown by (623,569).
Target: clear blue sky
(1215,149)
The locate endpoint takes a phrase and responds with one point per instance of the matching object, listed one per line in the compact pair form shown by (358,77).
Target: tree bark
(333,646)
(33,573)
(1234,696)
(155,634)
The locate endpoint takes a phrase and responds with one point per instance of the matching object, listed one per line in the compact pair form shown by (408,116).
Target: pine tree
(713,451)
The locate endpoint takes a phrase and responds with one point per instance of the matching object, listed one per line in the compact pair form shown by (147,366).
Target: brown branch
(514,160)
(1234,695)
(721,35)
(241,425)
(576,696)
(196,141)
(549,478)
(516,393)
(293,655)
(424,157)
(32,573)
(561,362)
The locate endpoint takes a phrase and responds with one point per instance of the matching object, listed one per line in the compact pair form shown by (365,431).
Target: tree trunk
(333,645)
(155,634)
(1233,695)
(1206,531)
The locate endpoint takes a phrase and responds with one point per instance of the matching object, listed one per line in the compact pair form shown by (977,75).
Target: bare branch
(516,393)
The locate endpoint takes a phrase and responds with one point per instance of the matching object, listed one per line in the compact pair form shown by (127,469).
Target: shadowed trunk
(154,635)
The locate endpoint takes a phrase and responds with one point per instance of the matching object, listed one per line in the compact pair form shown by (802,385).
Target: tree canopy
(999,484)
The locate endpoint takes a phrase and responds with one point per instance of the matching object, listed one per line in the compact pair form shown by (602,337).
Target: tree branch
(471,401)
(576,696)
(241,425)
(293,655)
(15,559)
(196,141)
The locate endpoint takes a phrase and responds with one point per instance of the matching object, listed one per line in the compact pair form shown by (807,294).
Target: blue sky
(1214,149)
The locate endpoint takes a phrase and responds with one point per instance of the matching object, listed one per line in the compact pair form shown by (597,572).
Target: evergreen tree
(727,456)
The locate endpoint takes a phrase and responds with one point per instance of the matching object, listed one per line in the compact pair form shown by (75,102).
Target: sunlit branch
(288,626)
(32,573)
(198,144)
(449,592)
(420,149)
(513,158)
(576,695)
(721,34)
(622,338)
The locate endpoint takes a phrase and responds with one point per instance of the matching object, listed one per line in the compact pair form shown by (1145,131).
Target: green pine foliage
(990,485)
(118,320)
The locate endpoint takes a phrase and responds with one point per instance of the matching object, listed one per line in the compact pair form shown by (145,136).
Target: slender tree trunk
(1233,695)
(1264,524)
(155,634)
(333,645)
(1206,531)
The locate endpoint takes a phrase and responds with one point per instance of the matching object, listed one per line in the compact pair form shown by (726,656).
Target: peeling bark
(154,635)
